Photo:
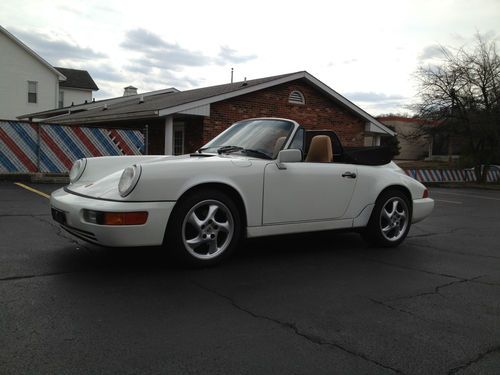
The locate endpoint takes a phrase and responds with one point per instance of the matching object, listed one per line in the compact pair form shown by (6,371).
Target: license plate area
(59,216)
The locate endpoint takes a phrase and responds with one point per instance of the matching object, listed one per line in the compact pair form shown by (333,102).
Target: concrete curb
(45,178)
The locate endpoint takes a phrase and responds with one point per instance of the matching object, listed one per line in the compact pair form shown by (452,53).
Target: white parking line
(466,195)
(447,201)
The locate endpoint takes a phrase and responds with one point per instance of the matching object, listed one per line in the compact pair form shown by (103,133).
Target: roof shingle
(77,79)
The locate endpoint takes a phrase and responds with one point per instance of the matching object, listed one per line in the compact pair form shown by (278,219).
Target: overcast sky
(365,50)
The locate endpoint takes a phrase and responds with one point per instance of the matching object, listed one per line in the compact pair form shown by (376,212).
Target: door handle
(349,175)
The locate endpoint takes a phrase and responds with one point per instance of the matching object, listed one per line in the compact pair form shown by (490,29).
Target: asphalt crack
(293,327)
(475,255)
(436,290)
(431,234)
(474,360)
(395,265)
(397,309)
(23,277)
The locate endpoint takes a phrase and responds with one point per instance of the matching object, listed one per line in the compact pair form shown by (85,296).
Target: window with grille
(296,97)
(32,91)
(61,99)
(178,140)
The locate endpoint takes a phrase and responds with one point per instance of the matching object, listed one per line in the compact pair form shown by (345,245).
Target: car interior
(323,146)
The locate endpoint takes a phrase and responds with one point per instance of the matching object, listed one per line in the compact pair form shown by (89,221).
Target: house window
(61,99)
(296,97)
(32,91)
(178,140)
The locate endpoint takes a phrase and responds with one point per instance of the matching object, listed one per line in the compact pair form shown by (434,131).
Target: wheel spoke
(212,209)
(195,242)
(394,207)
(195,221)
(386,215)
(212,246)
(225,227)
(387,228)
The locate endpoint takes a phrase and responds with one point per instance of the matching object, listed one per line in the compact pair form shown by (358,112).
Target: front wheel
(390,220)
(204,228)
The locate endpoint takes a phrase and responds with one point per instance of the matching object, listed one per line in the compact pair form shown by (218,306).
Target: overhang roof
(167,104)
(77,79)
(61,76)
(52,113)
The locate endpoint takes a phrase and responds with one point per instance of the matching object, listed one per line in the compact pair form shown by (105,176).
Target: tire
(204,228)
(390,220)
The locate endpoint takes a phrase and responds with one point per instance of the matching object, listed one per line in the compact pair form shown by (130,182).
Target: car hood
(104,184)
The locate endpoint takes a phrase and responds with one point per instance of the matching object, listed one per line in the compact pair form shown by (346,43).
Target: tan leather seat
(278,145)
(320,150)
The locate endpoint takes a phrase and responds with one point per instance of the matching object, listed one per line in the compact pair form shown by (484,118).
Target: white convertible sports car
(259,177)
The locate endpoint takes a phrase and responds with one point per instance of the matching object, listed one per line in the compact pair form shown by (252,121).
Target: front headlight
(77,170)
(129,179)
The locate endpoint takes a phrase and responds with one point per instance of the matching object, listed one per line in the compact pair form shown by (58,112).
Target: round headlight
(77,170)
(129,179)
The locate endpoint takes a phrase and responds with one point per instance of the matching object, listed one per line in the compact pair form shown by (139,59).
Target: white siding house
(76,89)
(22,69)
(68,96)
(30,84)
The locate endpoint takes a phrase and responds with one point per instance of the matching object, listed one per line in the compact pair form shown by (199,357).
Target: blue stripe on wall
(4,160)
(106,142)
(24,136)
(137,141)
(44,159)
(75,150)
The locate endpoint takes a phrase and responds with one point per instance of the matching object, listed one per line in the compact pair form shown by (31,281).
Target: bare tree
(461,97)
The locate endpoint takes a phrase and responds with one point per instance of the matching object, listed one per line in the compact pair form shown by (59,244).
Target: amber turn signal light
(124,218)
(115,218)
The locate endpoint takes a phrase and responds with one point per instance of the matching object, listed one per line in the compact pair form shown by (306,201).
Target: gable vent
(296,97)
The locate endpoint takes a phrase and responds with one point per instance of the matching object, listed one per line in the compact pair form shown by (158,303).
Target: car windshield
(260,138)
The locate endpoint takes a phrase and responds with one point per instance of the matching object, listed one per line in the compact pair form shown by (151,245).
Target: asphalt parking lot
(308,304)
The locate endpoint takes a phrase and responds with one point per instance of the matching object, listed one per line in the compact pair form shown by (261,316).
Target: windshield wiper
(256,152)
(228,149)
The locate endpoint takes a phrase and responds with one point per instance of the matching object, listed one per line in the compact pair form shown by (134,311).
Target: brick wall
(319,112)
(193,134)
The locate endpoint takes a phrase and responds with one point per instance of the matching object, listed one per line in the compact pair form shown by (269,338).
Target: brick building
(182,121)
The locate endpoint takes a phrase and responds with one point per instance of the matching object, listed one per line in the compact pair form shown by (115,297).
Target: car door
(307,191)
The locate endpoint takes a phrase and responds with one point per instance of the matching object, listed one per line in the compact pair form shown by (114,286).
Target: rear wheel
(390,220)
(204,228)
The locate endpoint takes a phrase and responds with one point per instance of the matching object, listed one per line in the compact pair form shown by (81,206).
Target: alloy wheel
(207,229)
(394,219)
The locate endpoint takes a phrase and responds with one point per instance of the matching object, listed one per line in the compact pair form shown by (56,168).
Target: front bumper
(422,208)
(149,234)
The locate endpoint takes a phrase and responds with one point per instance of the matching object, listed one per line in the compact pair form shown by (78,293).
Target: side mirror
(288,156)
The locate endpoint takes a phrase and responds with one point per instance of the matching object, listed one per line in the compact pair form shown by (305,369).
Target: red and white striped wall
(449,175)
(26,147)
